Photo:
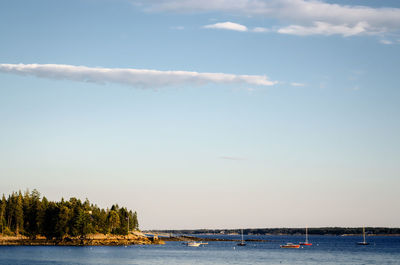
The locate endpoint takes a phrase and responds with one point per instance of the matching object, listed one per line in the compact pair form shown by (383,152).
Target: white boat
(242,243)
(364,242)
(194,244)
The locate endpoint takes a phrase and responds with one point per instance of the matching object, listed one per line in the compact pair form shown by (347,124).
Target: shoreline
(136,238)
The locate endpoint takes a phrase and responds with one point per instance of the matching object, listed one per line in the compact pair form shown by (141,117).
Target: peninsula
(28,219)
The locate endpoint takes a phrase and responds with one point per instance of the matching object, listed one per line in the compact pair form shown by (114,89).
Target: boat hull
(290,246)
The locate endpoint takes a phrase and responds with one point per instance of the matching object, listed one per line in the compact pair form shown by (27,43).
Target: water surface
(325,250)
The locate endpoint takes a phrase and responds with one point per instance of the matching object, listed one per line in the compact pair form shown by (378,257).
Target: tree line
(30,215)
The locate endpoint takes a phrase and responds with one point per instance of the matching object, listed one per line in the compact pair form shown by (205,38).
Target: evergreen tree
(28,214)
(32,213)
(135,222)
(3,214)
(61,228)
(123,218)
(50,219)
(19,214)
(113,221)
(84,223)
(41,215)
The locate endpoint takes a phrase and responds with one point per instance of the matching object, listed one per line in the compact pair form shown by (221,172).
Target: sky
(205,114)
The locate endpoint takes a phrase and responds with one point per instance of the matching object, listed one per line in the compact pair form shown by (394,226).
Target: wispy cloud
(297,84)
(347,20)
(387,42)
(323,28)
(318,28)
(227,25)
(261,29)
(178,27)
(134,77)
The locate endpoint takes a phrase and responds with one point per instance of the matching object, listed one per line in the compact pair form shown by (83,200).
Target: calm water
(325,250)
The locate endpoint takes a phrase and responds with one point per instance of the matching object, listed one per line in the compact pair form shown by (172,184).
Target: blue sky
(205,114)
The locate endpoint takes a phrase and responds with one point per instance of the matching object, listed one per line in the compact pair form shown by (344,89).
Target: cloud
(318,28)
(227,25)
(322,28)
(303,13)
(387,42)
(134,77)
(297,84)
(260,29)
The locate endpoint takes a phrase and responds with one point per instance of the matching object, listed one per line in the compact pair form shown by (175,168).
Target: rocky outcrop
(135,238)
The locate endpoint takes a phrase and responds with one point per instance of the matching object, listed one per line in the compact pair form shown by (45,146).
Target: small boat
(290,245)
(194,244)
(364,242)
(242,243)
(306,243)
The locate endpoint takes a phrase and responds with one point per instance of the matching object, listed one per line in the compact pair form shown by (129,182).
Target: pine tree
(113,220)
(19,214)
(135,222)
(3,214)
(61,228)
(29,215)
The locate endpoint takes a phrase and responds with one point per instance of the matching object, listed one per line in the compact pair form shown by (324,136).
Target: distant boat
(306,243)
(242,242)
(290,245)
(364,243)
(194,244)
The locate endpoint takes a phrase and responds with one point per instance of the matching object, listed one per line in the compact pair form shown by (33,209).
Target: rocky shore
(135,238)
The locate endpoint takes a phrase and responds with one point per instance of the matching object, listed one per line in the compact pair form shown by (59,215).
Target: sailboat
(364,243)
(306,243)
(242,242)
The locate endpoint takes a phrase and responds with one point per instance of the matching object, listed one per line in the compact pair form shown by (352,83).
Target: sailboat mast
(242,236)
(364,233)
(306,235)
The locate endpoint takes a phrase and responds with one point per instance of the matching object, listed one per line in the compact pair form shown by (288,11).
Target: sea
(325,250)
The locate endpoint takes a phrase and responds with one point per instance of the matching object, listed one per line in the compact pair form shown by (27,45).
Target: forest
(30,215)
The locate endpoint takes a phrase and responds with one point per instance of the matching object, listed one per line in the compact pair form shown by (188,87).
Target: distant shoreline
(323,231)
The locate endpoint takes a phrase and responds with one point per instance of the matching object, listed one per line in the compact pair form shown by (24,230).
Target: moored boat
(306,243)
(194,244)
(364,242)
(290,245)
(242,243)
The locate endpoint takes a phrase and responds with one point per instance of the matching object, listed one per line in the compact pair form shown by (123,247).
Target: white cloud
(227,25)
(322,28)
(298,12)
(387,42)
(134,77)
(260,29)
(297,84)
